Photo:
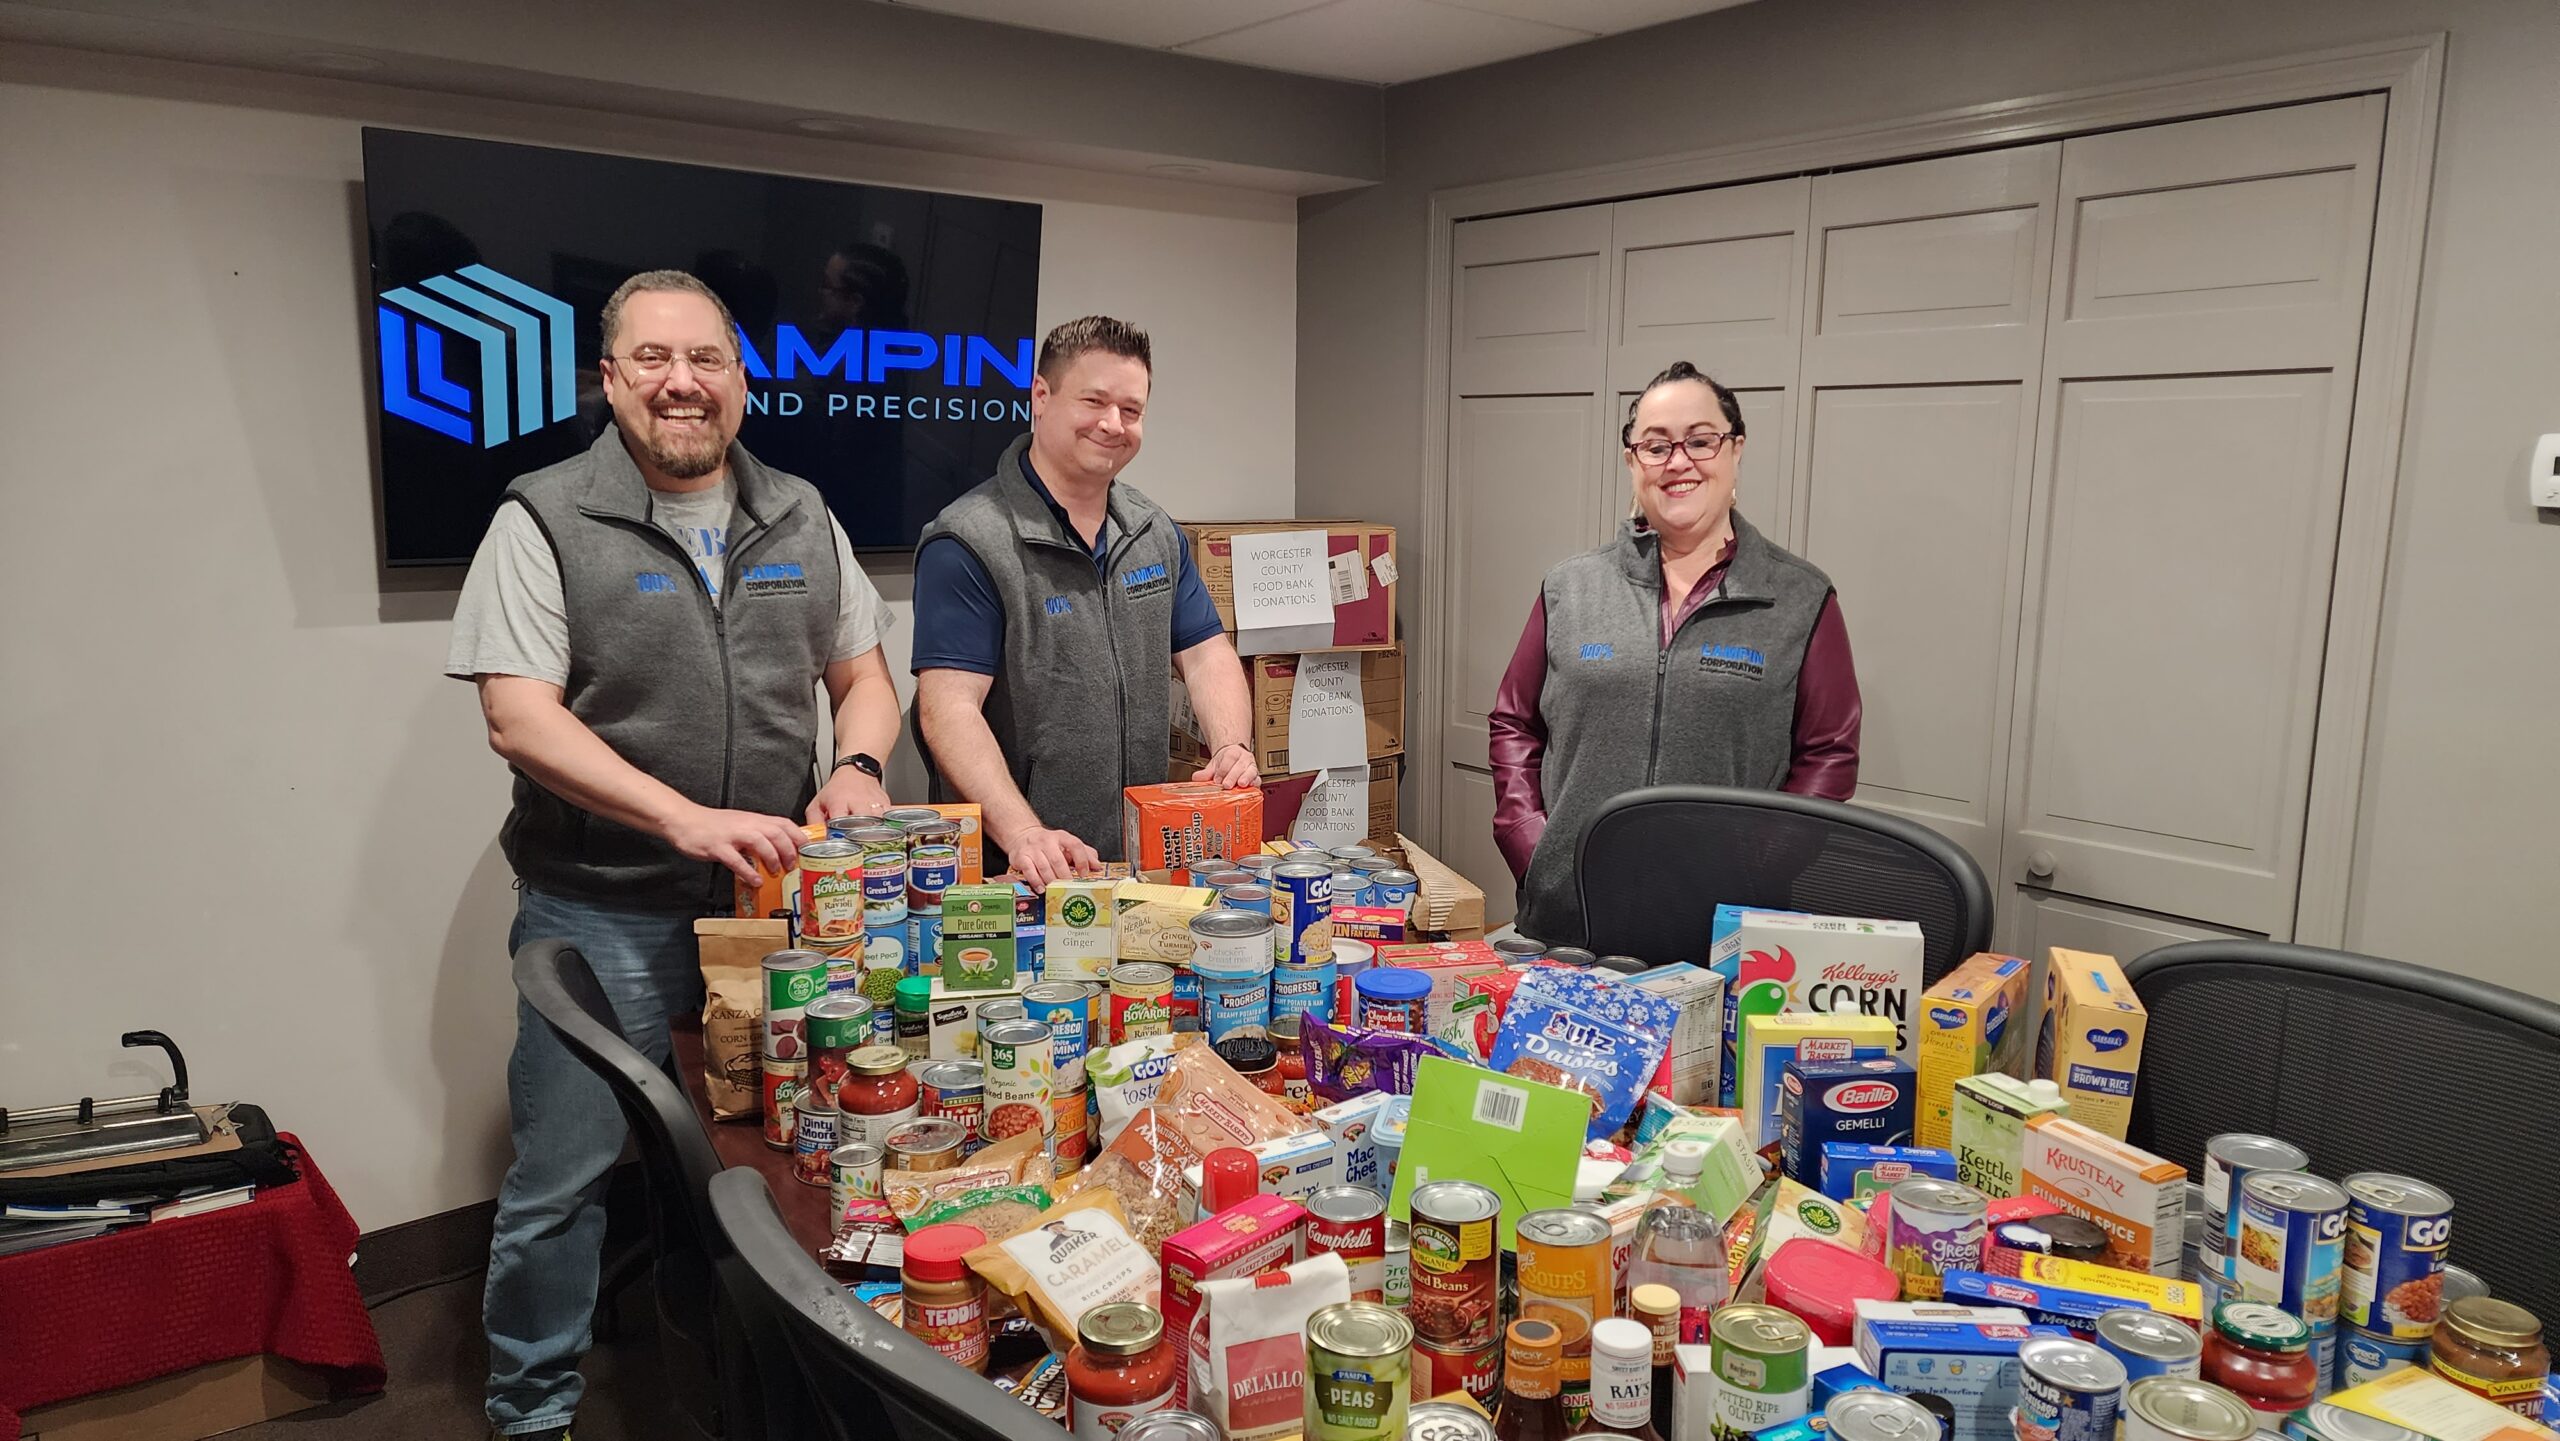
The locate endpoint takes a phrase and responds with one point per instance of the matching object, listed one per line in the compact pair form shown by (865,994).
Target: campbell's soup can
(1020,1078)
(1351,1222)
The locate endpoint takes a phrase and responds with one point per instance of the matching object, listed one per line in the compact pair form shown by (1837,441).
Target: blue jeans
(543,1256)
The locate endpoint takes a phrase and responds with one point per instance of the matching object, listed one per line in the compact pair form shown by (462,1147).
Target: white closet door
(1924,336)
(2200,364)
(1528,374)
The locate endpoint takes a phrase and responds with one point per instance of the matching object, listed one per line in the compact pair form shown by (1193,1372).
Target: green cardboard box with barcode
(1520,1138)
(1775,961)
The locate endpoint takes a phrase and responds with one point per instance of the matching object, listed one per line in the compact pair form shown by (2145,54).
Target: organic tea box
(1769,1042)
(977,951)
(2091,1040)
(1082,939)
(1775,961)
(1991,1115)
(1972,1021)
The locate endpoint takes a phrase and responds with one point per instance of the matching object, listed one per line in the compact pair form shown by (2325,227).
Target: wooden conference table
(741,1143)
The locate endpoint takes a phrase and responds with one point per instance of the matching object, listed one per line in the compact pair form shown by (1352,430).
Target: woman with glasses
(1690,650)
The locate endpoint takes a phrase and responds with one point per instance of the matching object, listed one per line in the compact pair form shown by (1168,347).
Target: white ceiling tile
(1609,17)
(1156,24)
(1384,42)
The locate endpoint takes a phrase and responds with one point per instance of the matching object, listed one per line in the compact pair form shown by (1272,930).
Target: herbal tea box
(977,938)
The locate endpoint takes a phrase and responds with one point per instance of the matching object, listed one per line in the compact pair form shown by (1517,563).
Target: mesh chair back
(1656,863)
(866,1380)
(2368,1065)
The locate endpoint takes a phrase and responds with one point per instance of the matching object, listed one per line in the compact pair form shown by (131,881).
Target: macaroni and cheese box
(1083,928)
(2091,1041)
(1769,1042)
(1991,1116)
(1774,961)
(978,938)
(1972,1021)
(2137,1198)
(1172,826)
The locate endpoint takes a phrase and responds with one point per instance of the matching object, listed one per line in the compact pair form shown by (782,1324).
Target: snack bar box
(1172,826)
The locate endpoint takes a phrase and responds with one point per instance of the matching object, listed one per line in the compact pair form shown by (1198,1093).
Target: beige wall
(2461,792)
(243,806)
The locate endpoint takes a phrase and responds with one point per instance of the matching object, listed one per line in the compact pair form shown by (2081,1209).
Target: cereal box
(1820,1102)
(1695,1064)
(1259,1234)
(1168,827)
(1769,1041)
(2091,1041)
(977,938)
(1775,961)
(1083,934)
(1990,1129)
(2137,1198)
(1973,1020)
(1853,1172)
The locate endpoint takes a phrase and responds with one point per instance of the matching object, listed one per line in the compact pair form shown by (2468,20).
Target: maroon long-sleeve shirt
(1828,711)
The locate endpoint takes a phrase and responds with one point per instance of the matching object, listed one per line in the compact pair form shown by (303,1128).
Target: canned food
(1395,888)
(853,1174)
(1171,1426)
(1350,884)
(778,1084)
(953,1090)
(1879,1416)
(1519,948)
(830,893)
(2228,1160)
(2321,1421)
(923,1144)
(1761,1359)
(1141,1000)
(1456,1264)
(1352,852)
(1563,1257)
(843,826)
(2293,1231)
(931,870)
(1476,1370)
(1020,1079)
(1247,894)
(880,840)
(1255,1059)
(1002,1008)
(1573,1355)
(2067,1391)
(1303,990)
(1447,1421)
(1232,958)
(835,1027)
(884,889)
(1393,999)
(2147,1343)
(2171,1408)
(1934,1227)
(2459,1283)
(1351,1222)
(792,979)
(1221,878)
(885,961)
(1067,1140)
(813,1137)
(2364,1356)
(1302,907)
(2397,1231)
(1397,1274)
(1306,856)
(1359,1373)
(1066,1008)
(905,819)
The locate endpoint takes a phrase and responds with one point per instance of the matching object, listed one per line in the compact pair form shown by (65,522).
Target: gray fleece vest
(718,702)
(1082,699)
(1715,707)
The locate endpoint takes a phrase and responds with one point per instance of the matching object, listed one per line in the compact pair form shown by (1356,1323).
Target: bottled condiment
(1682,1247)
(876,1096)
(912,1008)
(1229,1176)
(1532,1406)
(1254,1058)
(1658,1307)
(2261,1354)
(1287,1033)
(1120,1369)
(2494,1350)
(1621,1381)
(944,1304)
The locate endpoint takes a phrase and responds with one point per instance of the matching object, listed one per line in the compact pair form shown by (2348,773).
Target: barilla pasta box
(1820,1102)
(1969,1357)
(1695,1064)
(1853,1172)
(1770,1041)
(1991,1116)
(1257,1234)
(2091,1041)
(2137,1198)
(1082,917)
(1172,826)
(1775,961)
(2167,1295)
(2050,1303)
(1972,1021)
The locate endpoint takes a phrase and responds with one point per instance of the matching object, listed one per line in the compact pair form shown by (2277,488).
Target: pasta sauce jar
(1119,1370)
(875,1096)
(2262,1354)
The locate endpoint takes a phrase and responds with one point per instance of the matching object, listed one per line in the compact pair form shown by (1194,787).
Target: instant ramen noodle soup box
(977,938)
(1770,1041)
(1776,961)
(1171,827)
(1972,1021)
(2091,1041)
(2137,1198)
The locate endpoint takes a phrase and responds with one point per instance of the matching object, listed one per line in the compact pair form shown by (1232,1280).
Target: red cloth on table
(269,1276)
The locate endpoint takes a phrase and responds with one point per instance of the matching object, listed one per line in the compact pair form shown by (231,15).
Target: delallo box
(1972,1021)
(1775,961)
(1258,1234)
(1820,1102)
(1769,1042)
(977,938)
(1172,826)
(2091,1041)
(2137,1198)
(1083,941)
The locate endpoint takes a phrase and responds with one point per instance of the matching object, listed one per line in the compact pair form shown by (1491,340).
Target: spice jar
(876,1096)
(1286,1034)
(1119,1370)
(2262,1354)
(944,1304)
(2494,1350)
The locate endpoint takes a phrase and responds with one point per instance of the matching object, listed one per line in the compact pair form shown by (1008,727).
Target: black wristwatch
(863,763)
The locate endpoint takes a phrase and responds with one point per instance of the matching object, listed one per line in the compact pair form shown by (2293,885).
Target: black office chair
(1655,863)
(2368,1065)
(699,1339)
(865,1379)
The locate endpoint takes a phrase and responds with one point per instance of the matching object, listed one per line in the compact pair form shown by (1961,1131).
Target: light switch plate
(2542,479)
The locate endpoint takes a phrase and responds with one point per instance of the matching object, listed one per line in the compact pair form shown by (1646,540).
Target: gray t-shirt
(512,620)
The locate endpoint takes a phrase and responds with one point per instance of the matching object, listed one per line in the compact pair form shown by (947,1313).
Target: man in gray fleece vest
(1054,605)
(648,624)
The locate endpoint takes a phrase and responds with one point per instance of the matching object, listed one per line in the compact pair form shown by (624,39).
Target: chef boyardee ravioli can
(2397,1230)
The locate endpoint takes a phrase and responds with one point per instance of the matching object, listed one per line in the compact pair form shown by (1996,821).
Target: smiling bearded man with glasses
(1691,650)
(647,624)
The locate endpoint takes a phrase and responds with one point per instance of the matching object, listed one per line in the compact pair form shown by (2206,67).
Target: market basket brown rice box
(2137,1198)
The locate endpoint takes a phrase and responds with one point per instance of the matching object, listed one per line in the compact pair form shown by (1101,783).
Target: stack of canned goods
(1066,1009)
(792,979)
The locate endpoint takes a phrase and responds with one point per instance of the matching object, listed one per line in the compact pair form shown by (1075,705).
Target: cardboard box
(1283,794)
(2091,1041)
(1152,922)
(1859,1102)
(951,1021)
(1696,1062)
(1083,938)
(1775,961)
(2137,1198)
(1262,1233)
(1275,680)
(1970,1359)
(1852,1172)
(203,1401)
(1171,826)
(1972,1021)
(1449,905)
(1770,1041)
(1990,1131)
(977,952)
(1367,621)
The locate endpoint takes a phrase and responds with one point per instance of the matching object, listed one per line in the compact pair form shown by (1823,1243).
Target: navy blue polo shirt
(960,623)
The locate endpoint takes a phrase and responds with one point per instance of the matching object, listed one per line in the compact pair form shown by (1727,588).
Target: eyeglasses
(1704,446)
(655,360)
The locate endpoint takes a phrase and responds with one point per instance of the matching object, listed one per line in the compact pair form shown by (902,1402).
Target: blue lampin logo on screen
(524,380)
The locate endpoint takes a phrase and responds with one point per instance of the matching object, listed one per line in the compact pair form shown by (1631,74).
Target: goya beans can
(953,1090)
(2293,1233)
(2228,1160)
(884,890)
(1448,1421)
(1066,1008)
(792,979)
(813,1136)
(2067,1391)
(2147,1343)
(2397,1231)
(1232,958)
(830,894)
(2172,1408)
(1020,1079)
(1141,1000)
(853,1174)
(1359,1373)
(1935,1227)
(1456,1264)
(836,1027)
(1302,906)
(1761,1359)
(1351,1222)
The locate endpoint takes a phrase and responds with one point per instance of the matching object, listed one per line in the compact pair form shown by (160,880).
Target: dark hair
(659,282)
(1078,338)
(1681,370)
